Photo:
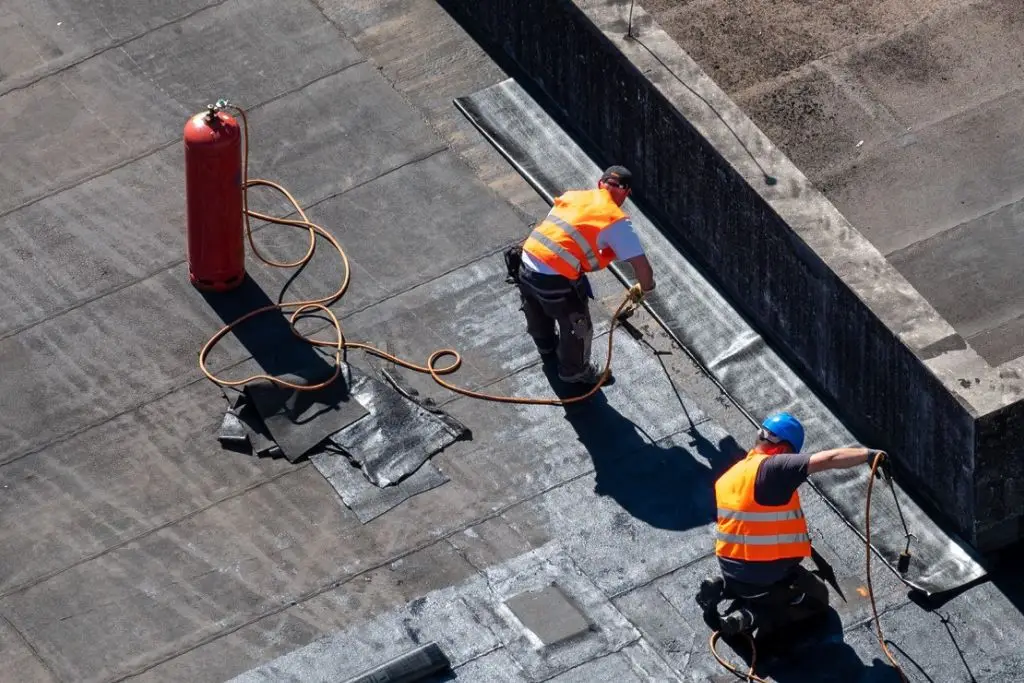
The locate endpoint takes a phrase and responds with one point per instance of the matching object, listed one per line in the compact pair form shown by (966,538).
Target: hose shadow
(268,337)
(272,345)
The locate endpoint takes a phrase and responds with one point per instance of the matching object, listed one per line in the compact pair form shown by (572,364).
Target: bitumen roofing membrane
(134,546)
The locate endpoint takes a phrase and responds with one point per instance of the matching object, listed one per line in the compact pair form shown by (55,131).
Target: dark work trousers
(799,597)
(548,300)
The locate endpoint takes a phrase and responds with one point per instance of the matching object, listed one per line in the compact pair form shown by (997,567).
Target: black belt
(548,286)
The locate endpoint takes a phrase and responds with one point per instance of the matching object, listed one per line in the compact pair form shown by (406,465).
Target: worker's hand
(636,293)
(884,467)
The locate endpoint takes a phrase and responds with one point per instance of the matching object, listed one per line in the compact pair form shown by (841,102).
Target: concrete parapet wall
(999,477)
(892,368)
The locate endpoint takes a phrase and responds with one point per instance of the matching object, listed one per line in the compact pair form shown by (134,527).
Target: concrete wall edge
(882,289)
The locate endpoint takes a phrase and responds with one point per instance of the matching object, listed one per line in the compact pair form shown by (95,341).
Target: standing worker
(584,231)
(762,536)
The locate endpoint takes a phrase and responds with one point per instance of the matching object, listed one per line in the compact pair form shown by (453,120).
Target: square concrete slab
(549,614)
(815,117)
(893,213)
(535,571)
(970,274)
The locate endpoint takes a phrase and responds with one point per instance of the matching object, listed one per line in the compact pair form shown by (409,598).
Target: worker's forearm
(643,271)
(839,458)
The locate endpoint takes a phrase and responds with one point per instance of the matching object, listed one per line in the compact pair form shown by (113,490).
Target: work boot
(590,376)
(710,593)
(736,622)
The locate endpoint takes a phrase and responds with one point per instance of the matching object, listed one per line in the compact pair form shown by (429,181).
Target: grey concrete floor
(905,114)
(133,547)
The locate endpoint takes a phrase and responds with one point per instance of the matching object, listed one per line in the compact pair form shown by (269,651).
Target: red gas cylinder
(213,191)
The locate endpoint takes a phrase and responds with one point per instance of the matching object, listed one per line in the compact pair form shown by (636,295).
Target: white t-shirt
(620,237)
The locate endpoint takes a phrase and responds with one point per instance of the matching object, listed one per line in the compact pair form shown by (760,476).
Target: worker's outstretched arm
(839,458)
(644,272)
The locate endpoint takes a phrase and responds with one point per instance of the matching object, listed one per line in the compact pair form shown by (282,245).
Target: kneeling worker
(584,231)
(762,536)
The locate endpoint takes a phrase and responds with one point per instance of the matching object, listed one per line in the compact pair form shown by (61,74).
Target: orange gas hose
(749,676)
(339,343)
(867,568)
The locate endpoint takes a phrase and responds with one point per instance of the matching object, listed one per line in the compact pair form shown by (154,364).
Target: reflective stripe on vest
(580,241)
(778,539)
(760,516)
(750,532)
(557,248)
(567,240)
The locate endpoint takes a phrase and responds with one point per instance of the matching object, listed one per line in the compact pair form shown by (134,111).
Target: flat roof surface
(905,114)
(134,547)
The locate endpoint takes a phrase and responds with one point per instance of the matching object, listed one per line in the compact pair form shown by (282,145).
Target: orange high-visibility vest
(752,532)
(566,240)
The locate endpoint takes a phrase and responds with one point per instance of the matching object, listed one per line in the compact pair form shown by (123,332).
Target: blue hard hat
(786,428)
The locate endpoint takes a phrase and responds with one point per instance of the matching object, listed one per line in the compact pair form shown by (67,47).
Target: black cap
(619,175)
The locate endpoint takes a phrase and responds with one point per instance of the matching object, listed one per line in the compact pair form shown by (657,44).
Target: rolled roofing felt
(408,668)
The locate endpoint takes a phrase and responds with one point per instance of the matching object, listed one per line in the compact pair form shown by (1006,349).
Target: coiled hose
(339,343)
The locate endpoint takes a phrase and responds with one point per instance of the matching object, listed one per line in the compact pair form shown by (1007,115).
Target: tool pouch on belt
(513,259)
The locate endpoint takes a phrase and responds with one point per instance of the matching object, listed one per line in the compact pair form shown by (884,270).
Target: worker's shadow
(662,485)
(814,652)
(267,337)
